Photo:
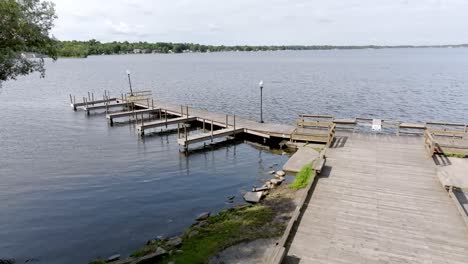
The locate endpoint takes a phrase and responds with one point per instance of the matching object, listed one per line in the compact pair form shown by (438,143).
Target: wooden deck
(167,122)
(379,201)
(100,107)
(208,136)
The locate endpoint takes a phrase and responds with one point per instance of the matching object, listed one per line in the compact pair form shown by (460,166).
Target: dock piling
(211,130)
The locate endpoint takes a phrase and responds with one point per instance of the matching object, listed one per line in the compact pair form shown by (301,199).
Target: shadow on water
(294,259)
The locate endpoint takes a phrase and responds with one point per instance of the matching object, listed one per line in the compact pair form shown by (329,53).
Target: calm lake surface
(73,189)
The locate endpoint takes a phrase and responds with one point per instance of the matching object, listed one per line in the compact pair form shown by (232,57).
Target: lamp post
(130,83)
(261,101)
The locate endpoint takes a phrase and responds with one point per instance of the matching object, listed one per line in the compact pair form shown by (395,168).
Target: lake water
(72,188)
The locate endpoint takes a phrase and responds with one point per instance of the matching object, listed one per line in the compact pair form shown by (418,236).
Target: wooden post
(89,97)
(165,116)
(92,97)
(234,124)
(152,103)
(185,132)
(181,111)
(227,121)
(71,101)
(147,102)
(178,130)
(212,130)
(187,111)
(203,125)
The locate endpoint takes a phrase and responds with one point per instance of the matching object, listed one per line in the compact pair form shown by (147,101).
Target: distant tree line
(94,47)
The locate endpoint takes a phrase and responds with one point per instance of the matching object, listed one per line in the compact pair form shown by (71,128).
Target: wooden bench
(320,162)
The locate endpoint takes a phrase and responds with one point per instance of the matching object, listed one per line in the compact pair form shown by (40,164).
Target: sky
(265,22)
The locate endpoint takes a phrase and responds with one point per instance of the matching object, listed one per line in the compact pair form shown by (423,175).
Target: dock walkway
(379,201)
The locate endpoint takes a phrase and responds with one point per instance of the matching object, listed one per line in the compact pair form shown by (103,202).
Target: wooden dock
(379,202)
(90,108)
(166,122)
(210,136)
(133,113)
(378,199)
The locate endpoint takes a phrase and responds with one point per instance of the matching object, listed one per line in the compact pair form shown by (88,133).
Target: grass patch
(218,232)
(455,155)
(303,177)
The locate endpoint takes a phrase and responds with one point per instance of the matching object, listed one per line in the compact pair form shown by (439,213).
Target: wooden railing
(429,143)
(331,135)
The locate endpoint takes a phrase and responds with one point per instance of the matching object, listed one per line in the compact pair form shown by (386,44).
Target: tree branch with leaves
(25,28)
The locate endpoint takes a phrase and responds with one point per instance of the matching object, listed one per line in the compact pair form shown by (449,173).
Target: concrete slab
(303,156)
(455,173)
(253,197)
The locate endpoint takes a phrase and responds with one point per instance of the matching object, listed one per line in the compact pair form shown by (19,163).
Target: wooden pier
(378,198)
(379,201)
(166,122)
(309,128)
(90,108)
(210,136)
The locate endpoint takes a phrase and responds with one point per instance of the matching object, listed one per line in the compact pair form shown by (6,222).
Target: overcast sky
(270,22)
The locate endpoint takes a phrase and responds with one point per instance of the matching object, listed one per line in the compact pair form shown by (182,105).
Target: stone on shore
(113,258)
(203,216)
(253,197)
(174,241)
(276,181)
(280,173)
(271,172)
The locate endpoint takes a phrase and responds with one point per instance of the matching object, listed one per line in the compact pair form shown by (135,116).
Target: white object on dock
(377,124)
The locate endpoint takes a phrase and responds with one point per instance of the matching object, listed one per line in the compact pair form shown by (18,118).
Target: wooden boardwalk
(379,201)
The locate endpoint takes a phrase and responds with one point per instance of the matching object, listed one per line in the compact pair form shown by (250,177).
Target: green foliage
(25,27)
(94,47)
(221,231)
(303,177)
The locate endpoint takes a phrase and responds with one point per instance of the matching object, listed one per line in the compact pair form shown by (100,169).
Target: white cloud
(338,22)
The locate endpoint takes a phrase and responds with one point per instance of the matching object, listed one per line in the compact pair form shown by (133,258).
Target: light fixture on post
(261,101)
(129,82)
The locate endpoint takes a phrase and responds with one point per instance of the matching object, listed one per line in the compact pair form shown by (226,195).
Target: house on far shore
(136,51)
